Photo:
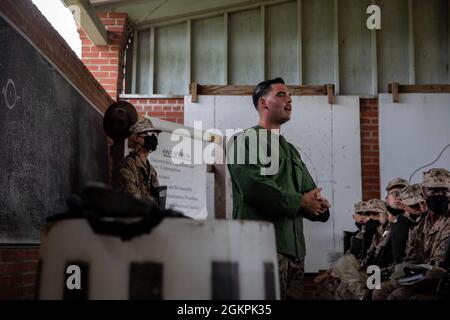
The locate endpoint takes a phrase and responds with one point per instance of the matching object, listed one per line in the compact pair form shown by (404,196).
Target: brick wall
(370,148)
(166,109)
(106,62)
(18,269)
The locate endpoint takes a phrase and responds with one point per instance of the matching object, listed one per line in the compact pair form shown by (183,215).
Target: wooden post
(395,97)
(330,93)
(194,91)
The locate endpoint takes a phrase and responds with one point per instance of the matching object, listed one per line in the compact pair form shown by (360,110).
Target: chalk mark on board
(10,94)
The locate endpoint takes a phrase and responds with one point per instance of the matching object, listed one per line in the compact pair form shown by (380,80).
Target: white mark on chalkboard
(10,94)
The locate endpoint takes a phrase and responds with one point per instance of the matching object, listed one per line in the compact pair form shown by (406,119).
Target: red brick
(108,68)
(99,61)
(109,54)
(113,61)
(108,81)
(109,87)
(172,101)
(367,114)
(90,55)
(29,279)
(108,21)
(100,75)
(117,15)
(156,114)
(121,21)
(92,68)
(114,28)
(32,254)
(103,15)
(113,74)
(174,114)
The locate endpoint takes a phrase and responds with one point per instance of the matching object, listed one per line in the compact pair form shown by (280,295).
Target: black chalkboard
(51,140)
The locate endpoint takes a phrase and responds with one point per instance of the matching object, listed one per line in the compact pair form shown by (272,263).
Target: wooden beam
(419,88)
(248,90)
(208,13)
(90,23)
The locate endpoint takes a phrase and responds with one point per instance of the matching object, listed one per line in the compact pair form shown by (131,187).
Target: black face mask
(393,211)
(372,225)
(358,225)
(150,142)
(438,204)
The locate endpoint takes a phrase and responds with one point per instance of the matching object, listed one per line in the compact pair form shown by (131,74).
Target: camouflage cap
(360,207)
(143,125)
(376,205)
(412,194)
(436,178)
(397,182)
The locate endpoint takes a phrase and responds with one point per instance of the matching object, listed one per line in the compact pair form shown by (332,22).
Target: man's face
(393,198)
(430,192)
(375,216)
(277,104)
(416,209)
(360,218)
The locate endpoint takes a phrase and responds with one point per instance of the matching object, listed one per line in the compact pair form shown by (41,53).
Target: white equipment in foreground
(178,259)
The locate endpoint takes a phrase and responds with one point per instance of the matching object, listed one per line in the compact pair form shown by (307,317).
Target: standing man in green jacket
(270,182)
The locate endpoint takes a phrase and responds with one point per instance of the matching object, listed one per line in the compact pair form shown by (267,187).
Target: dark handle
(123,230)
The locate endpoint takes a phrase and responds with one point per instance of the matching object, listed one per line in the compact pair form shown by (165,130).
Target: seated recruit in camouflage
(135,175)
(399,221)
(431,233)
(334,283)
(380,252)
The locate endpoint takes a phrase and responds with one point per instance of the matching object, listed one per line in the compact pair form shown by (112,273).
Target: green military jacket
(275,197)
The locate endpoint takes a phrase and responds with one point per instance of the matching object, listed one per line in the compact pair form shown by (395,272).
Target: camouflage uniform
(410,195)
(381,237)
(133,175)
(328,282)
(291,271)
(137,178)
(435,236)
(351,283)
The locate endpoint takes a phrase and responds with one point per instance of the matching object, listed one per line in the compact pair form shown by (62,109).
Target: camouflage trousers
(387,287)
(392,291)
(326,289)
(292,271)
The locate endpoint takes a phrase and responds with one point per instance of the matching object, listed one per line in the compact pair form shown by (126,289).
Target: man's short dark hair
(263,88)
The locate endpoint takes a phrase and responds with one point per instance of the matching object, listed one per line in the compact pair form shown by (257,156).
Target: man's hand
(314,203)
